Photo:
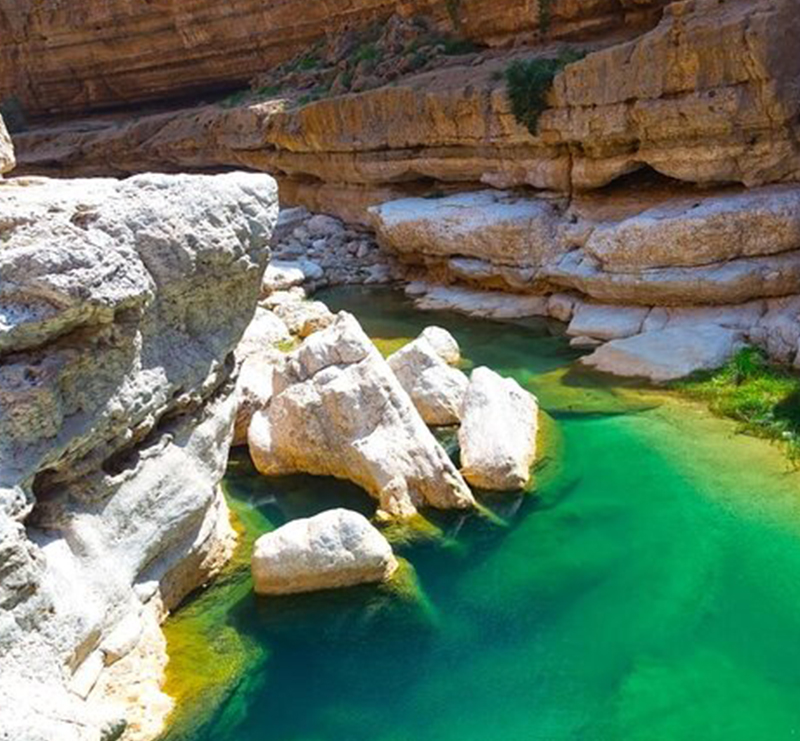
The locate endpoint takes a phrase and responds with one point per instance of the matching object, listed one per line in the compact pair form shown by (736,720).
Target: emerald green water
(649,590)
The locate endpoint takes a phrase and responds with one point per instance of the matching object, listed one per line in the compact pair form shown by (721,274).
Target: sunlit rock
(337,548)
(498,430)
(337,409)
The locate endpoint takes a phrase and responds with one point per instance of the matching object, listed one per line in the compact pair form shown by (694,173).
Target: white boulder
(337,548)
(667,354)
(6,150)
(436,388)
(443,343)
(338,410)
(499,423)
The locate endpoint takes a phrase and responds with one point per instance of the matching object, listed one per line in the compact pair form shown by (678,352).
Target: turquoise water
(649,590)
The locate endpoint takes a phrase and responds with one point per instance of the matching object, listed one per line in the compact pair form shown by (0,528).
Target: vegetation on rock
(764,397)
(529,81)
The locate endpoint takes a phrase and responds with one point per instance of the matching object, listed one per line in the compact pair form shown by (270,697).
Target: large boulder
(436,388)
(6,150)
(122,303)
(499,423)
(666,354)
(338,548)
(338,410)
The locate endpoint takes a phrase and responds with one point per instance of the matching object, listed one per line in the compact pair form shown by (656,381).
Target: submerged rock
(338,410)
(667,354)
(436,388)
(498,430)
(337,548)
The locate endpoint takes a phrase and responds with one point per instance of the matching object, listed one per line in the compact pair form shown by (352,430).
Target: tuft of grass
(268,91)
(764,397)
(308,62)
(529,81)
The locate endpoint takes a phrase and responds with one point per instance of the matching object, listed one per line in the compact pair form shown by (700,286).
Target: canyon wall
(122,303)
(72,56)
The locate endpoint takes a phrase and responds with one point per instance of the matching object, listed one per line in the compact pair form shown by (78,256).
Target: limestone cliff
(120,305)
(76,55)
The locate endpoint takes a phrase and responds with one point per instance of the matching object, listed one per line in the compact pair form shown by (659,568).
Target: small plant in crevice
(529,81)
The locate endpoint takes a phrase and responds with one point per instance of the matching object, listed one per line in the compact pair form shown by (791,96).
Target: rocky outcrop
(118,53)
(666,354)
(6,150)
(497,437)
(121,304)
(726,68)
(337,548)
(436,388)
(338,410)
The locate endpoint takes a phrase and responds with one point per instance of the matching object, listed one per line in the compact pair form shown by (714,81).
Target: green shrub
(459,46)
(528,82)
(545,15)
(366,53)
(308,62)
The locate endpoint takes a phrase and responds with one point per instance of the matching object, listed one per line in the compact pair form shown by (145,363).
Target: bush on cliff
(529,81)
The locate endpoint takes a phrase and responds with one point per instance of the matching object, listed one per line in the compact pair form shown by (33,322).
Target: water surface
(648,590)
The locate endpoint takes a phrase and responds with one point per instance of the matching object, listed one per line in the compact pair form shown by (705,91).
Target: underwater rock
(436,388)
(667,354)
(337,548)
(498,430)
(338,410)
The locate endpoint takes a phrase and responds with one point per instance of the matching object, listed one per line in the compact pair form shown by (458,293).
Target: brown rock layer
(77,55)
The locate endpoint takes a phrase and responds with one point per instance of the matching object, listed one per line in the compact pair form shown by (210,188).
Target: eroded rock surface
(436,388)
(338,410)
(337,548)
(6,150)
(499,423)
(120,306)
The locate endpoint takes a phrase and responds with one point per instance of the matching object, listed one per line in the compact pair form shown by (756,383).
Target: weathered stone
(489,225)
(667,354)
(338,410)
(122,303)
(304,317)
(499,423)
(6,150)
(280,276)
(337,548)
(489,304)
(607,322)
(436,388)
(443,343)
(699,231)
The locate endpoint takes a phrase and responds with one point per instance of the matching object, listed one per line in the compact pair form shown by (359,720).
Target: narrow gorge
(386,369)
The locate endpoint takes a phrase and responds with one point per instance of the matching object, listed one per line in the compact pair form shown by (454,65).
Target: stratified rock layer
(338,410)
(337,548)
(120,306)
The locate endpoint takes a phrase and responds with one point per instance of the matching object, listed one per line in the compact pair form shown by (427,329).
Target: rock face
(498,430)
(6,150)
(436,388)
(121,53)
(338,410)
(667,354)
(121,304)
(338,548)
